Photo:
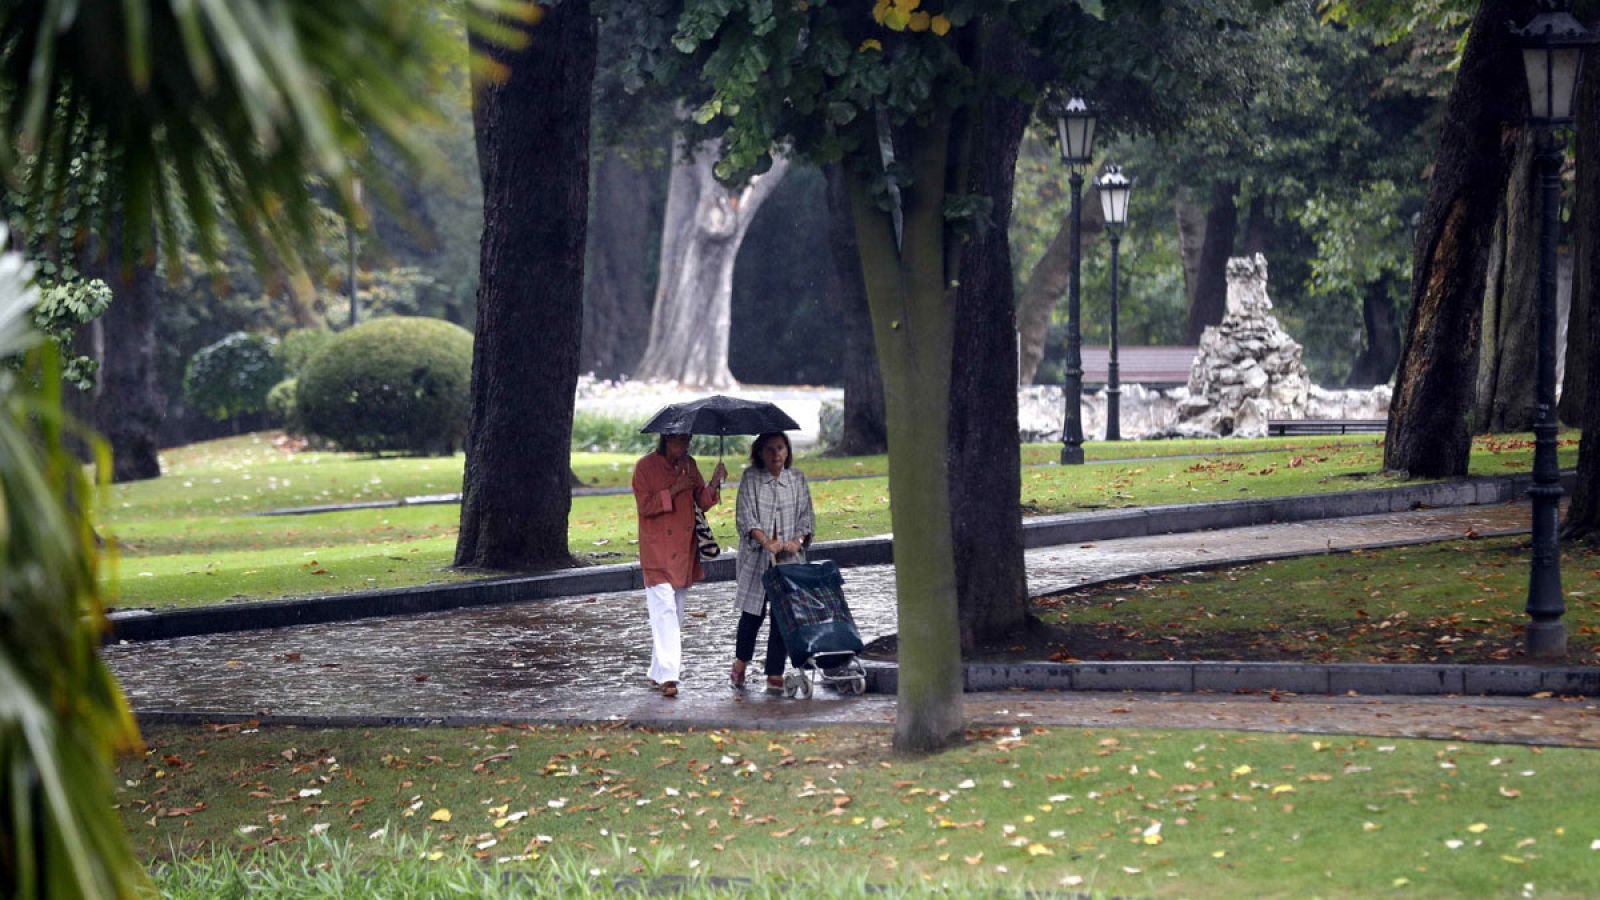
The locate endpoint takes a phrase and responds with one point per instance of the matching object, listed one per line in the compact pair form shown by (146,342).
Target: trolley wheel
(858,684)
(805,686)
(791,684)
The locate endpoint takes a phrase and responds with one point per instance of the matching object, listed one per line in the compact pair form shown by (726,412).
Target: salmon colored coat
(666,522)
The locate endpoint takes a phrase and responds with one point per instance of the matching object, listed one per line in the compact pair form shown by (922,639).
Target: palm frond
(62,714)
(276,101)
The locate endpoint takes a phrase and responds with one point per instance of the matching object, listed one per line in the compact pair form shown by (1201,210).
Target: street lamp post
(1114,188)
(1552,52)
(1075,127)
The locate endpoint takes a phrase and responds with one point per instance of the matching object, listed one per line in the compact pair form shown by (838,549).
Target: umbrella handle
(720,439)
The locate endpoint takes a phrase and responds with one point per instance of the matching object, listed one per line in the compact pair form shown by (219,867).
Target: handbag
(705,542)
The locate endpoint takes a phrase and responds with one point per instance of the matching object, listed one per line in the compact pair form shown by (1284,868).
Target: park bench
(1293,427)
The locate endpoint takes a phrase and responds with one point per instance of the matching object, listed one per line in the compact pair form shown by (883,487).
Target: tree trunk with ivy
(128,405)
(533,156)
(1429,434)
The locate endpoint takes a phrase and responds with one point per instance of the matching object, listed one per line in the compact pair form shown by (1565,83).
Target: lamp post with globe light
(1075,128)
(1114,189)
(1552,45)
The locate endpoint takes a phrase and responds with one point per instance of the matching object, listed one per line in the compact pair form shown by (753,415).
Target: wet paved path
(583,657)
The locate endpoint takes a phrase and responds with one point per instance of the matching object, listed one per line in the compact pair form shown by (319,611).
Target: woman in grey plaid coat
(775,524)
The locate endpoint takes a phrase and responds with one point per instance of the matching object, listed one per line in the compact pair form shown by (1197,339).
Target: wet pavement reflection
(584,657)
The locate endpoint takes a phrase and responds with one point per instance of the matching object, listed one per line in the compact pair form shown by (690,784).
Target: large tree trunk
(909,286)
(1584,261)
(705,224)
(865,430)
(1209,300)
(128,403)
(1583,519)
(1505,400)
(1047,284)
(1429,434)
(985,453)
(1257,228)
(533,155)
(623,215)
(1190,217)
(1376,361)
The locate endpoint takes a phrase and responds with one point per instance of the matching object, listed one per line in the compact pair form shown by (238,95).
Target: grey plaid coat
(779,506)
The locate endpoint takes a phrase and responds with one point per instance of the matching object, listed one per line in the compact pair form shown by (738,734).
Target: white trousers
(665,603)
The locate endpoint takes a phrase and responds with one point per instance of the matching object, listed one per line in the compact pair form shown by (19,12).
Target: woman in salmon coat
(667,487)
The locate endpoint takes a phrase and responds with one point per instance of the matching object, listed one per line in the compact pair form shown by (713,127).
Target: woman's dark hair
(661,444)
(761,440)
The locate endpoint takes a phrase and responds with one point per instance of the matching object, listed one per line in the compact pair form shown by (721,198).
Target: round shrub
(399,383)
(232,377)
(299,345)
(281,408)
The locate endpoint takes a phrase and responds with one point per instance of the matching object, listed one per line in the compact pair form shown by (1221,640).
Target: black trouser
(744,646)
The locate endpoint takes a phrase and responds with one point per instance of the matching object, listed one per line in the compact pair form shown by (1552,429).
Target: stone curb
(1410,679)
(147,625)
(788,723)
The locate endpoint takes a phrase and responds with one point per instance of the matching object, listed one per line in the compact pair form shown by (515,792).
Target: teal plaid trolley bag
(818,631)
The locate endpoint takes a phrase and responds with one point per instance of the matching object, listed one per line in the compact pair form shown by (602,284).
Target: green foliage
(1361,238)
(62,715)
(63,308)
(183,109)
(595,433)
(232,376)
(298,346)
(398,384)
(281,406)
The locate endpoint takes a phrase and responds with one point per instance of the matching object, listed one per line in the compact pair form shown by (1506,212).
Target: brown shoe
(774,684)
(669,689)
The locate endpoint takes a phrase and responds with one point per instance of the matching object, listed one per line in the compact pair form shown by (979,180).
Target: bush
(281,407)
(298,346)
(595,433)
(399,383)
(231,377)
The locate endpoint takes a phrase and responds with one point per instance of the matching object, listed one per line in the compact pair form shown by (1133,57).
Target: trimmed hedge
(400,383)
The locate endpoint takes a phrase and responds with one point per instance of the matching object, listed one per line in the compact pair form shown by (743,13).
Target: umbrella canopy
(720,415)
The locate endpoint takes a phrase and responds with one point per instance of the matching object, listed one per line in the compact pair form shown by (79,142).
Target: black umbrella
(721,416)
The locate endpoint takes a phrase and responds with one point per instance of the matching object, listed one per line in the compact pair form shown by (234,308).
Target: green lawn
(189,538)
(1194,814)
(1454,602)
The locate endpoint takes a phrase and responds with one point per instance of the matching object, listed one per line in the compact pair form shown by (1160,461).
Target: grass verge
(189,538)
(1456,602)
(1206,814)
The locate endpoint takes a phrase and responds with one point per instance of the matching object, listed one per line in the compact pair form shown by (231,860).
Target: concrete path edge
(1040,531)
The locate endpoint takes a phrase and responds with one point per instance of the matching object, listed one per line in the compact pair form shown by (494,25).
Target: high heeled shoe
(736,675)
